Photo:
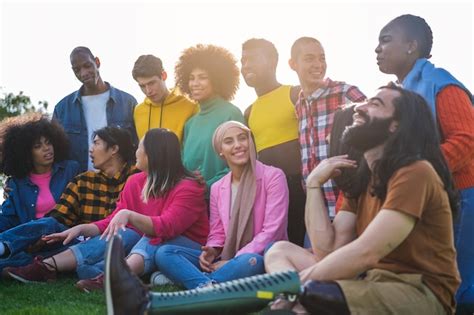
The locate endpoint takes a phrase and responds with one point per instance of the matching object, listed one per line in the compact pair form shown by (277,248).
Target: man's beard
(372,133)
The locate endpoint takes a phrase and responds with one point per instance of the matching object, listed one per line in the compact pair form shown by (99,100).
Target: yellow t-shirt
(273,119)
(172,114)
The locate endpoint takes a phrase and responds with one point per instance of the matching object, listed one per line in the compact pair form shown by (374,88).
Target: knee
(278,249)
(253,261)
(162,253)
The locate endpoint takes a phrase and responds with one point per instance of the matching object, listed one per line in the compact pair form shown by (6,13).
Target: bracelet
(312,187)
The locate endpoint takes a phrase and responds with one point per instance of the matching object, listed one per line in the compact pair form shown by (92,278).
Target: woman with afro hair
(33,153)
(209,75)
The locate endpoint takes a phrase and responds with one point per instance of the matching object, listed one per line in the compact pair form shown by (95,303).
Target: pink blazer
(270,210)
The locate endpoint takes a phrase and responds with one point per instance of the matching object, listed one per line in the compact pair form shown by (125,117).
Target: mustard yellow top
(273,119)
(172,114)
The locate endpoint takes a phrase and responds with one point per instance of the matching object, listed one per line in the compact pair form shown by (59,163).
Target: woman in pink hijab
(248,212)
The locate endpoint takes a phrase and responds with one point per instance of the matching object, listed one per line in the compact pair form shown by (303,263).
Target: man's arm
(388,230)
(294,93)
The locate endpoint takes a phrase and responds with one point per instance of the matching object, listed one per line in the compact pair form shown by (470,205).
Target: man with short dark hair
(95,105)
(274,125)
(161,108)
(89,197)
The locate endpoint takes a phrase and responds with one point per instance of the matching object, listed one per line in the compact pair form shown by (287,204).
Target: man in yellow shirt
(161,108)
(272,119)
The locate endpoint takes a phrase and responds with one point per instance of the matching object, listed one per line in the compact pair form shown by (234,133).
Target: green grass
(60,297)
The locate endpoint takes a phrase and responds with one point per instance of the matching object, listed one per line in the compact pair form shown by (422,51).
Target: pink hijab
(240,231)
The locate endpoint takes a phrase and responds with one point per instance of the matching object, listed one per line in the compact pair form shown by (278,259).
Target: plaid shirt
(91,196)
(315,117)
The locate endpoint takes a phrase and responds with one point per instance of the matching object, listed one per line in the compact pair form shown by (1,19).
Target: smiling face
(235,147)
(85,68)
(200,85)
(153,87)
(310,65)
(395,53)
(43,155)
(256,68)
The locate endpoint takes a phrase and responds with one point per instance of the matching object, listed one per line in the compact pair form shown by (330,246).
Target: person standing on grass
(89,197)
(95,105)
(272,119)
(162,204)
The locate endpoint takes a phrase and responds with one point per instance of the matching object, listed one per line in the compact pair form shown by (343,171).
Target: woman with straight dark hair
(404,50)
(162,204)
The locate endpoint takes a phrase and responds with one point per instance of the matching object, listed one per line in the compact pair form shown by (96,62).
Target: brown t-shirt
(428,250)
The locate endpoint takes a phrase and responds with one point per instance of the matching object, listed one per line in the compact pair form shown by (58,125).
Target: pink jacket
(270,209)
(182,211)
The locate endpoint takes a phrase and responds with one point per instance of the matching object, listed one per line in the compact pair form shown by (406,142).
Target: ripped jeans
(181,265)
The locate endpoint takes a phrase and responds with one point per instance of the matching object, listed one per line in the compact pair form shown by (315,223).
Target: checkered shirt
(90,196)
(315,118)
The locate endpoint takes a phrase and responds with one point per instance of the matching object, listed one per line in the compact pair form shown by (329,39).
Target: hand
(6,191)
(329,168)
(65,236)
(218,264)
(118,222)
(206,258)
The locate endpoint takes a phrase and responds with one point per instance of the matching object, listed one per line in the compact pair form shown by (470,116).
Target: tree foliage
(16,104)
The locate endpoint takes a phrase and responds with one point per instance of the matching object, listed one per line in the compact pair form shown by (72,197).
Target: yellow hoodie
(172,114)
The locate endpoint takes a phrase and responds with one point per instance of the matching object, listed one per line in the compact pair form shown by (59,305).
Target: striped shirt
(315,118)
(90,196)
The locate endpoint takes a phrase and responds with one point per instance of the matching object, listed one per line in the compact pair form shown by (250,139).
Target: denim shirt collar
(113,94)
(54,170)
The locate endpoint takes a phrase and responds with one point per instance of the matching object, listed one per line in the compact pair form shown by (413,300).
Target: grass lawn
(60,297)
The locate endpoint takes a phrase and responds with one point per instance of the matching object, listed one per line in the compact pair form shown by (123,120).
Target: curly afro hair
(218,62)
(19,134)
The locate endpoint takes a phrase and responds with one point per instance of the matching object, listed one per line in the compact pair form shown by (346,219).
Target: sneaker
(92,284)
(158,278)
(37,271)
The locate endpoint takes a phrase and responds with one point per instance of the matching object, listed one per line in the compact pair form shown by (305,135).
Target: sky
(36,38)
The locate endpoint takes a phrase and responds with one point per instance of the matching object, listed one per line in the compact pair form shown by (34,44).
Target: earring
(409,52)
(220,154)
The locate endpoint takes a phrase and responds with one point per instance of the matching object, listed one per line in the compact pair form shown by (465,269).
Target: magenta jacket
(182,211)
(270,210)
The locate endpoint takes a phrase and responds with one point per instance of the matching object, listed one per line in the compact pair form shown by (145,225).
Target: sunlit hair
(264,45)
(295,48)
(218,62)
(415,139)
(165,168)
(147,66)
(19,134)
(342,119)
(415,28)
(82,49)
(120,137)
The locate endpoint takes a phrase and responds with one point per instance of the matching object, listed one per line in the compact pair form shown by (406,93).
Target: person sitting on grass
(164,203)
(89,197)
(390,248)
(248,212)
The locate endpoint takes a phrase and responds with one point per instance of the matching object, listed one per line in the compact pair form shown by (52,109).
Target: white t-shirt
(95,115)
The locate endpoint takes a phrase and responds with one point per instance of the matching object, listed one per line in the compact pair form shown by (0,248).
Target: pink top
(45,200)
(270,211)
(182,211)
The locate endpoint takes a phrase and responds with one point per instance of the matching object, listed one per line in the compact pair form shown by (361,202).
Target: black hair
(267,47)
(82,49)
(121,137)
(147,66)
(415,28)
(20,133)
(415,139)
(165,168)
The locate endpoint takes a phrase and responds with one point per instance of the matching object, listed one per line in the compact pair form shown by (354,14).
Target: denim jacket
(20,206)
(70,114)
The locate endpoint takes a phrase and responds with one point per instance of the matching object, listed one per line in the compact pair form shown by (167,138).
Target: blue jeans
(181,265)
(464,242)
(19,238)
(149,251)
(90,254)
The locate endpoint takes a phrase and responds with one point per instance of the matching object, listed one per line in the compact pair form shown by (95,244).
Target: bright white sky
(37,37)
